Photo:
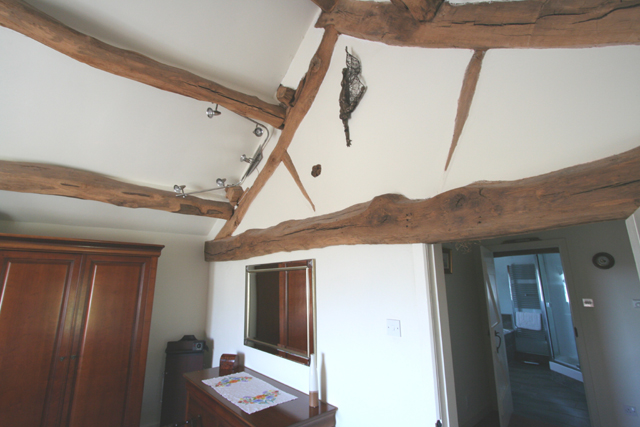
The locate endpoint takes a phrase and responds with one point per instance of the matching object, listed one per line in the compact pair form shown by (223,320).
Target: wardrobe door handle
(499,342)
(73,356)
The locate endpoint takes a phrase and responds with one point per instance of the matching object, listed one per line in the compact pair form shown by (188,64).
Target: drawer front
(204,417)
(215,411)
(210,412)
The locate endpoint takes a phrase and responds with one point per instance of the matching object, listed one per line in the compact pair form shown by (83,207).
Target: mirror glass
(280,309)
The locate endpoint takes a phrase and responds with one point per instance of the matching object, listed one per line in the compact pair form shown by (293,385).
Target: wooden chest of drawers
(213,410)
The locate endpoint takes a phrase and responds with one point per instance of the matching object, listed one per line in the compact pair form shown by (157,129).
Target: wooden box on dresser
(74,330)
(211,409)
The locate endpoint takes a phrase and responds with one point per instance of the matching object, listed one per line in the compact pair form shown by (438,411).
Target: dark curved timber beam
(503,24)
(40,178)
(304,96)
(325,5)
(421,10)
(471,76)
(26,19)
(607,189)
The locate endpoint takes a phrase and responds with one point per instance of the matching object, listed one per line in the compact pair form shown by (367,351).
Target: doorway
(539,336)
(535,305)
(533,343)
(603,309)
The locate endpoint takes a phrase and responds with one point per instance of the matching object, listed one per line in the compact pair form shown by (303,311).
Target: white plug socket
(393,327)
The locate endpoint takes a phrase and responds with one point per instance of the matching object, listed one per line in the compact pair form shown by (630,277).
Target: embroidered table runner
(247,392)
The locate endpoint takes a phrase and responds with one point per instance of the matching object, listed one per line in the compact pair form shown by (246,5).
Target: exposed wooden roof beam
(325,5)
(305,95)
(41,178)
(421,10)
(25,19)
(471,76)
(603,190)
(288,162)
(286,96)
(510,24)
(234,194)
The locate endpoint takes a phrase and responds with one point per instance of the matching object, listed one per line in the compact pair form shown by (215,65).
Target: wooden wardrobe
(74,330)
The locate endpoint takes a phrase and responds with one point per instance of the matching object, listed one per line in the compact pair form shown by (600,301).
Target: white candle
(313,382)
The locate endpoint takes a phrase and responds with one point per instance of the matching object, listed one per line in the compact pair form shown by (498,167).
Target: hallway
(542,398)
(516,421)
(541,394)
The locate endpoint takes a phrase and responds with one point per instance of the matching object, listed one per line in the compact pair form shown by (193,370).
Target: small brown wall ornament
(316,171)
(352,91)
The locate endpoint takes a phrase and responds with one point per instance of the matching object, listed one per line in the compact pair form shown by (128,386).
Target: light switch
(587,302)
(393,327)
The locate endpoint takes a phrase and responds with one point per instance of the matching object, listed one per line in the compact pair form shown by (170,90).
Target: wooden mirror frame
(286,310)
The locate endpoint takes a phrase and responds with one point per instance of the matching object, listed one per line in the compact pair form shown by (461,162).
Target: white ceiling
(59,111)
(534,111)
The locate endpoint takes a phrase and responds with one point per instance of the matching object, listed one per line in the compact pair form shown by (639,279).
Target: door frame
(501,375)
(442,334)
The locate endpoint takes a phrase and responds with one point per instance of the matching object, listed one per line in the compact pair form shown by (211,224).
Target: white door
(499,353)
(633,228)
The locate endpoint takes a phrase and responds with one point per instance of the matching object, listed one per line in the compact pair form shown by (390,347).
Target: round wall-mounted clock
(603,260)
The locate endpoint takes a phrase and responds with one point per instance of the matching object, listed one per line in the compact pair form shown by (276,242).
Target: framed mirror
(280,309)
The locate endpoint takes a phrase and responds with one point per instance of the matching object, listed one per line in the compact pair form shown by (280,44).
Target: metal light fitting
(253,162)
(212,113)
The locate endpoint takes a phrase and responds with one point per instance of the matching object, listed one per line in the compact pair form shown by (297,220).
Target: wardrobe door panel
(108,380)
(35,334)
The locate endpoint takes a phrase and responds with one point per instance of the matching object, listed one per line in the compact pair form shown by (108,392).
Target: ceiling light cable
(253,161)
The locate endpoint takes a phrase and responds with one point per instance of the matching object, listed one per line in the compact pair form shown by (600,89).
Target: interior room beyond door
(544,367)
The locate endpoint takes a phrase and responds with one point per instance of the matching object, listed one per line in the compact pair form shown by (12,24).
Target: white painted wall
(399,131)
(535,111)
(373,379)
(540,110)
(180,300)
(610,329)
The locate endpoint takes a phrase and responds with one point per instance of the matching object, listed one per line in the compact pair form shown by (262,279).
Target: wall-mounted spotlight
(253,162)
(212,113)
(180,190)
